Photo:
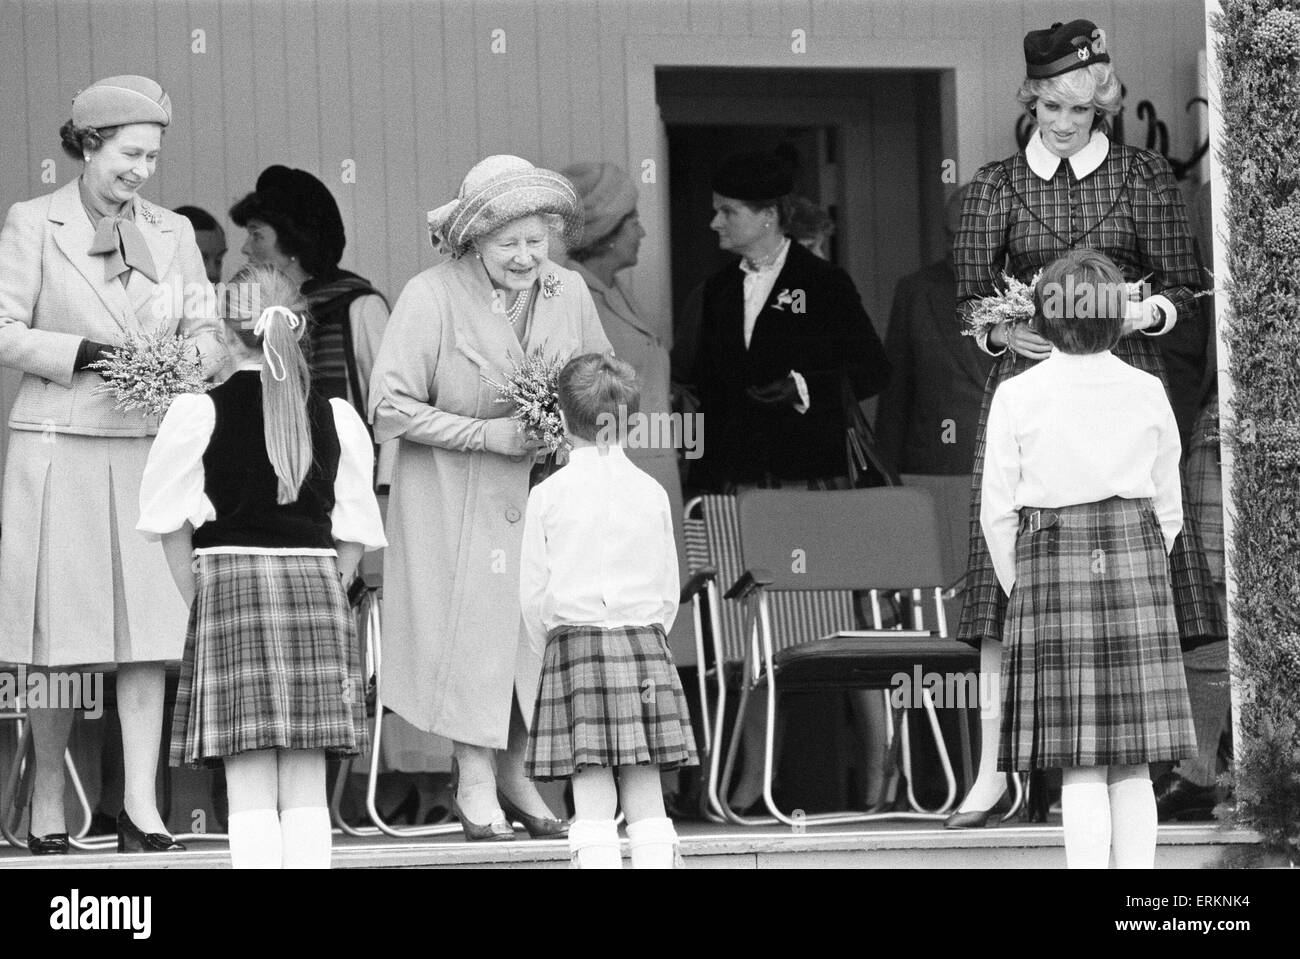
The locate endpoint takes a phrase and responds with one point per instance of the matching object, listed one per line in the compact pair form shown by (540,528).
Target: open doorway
(870,147)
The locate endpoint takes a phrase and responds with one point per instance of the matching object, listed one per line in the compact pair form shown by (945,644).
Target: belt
(1039,518)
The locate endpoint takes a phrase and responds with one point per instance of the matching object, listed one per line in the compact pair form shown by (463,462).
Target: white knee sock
(254,839)
(593,843)
(1133,823)
(306,831)
(1085,812)
(654,844)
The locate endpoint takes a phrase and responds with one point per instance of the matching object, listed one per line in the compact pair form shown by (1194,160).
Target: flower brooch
(783,299)
(149,213)
(552,285)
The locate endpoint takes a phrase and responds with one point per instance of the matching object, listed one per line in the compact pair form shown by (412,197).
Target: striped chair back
(712,534)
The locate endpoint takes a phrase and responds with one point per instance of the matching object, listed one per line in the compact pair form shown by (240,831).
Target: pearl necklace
(517,308)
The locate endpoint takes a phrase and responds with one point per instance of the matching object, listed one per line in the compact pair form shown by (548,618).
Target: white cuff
(1167,306)
(801,385)
(982,340)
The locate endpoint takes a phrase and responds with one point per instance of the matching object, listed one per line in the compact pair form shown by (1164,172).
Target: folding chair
(16,792)
(819,544)
(713,556)
(366,597)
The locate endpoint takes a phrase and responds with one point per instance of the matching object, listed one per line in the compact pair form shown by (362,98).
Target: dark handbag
(866,468)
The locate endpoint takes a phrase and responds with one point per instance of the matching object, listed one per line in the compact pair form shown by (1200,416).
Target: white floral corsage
(783,299)
(149,213)
(552,285)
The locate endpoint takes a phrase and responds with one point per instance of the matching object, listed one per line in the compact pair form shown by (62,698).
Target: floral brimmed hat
(496,191)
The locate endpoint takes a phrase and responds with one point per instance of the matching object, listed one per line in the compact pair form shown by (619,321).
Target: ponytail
(286,380)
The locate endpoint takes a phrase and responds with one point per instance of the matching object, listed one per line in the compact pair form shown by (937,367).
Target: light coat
(54,294)
(453,645)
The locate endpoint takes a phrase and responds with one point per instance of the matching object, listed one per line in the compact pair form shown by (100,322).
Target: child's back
(611,558)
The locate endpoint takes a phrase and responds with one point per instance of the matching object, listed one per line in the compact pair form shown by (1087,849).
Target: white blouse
(1077,429)
(598,548)
(172,491)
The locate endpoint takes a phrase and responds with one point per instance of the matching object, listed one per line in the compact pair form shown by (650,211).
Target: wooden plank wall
(411,92)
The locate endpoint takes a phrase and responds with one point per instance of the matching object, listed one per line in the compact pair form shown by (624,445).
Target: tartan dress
(1130,209)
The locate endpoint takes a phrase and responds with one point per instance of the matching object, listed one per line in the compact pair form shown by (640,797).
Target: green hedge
(1259,64)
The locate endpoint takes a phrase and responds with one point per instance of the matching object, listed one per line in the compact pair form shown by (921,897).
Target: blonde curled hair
(1096,85)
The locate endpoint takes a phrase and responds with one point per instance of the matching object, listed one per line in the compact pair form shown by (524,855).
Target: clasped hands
(775,395)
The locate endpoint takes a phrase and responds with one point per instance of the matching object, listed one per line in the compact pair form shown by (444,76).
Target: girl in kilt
(261,492)
(599,588)
(1081,505)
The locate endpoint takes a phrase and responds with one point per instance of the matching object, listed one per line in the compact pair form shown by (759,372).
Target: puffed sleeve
(44,353)
(998,514)
(172,491)
(355,517)
(980,250)
(403,395)
(534,570)
(199,324)
(1164,239)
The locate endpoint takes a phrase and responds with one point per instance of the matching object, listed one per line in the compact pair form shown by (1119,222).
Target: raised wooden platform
(706,846)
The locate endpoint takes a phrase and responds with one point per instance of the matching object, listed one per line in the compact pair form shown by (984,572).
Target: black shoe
(1179,799)
(54,844)
(130,838)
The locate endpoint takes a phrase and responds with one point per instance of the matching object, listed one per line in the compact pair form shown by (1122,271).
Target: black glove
(775,395)
(90,352)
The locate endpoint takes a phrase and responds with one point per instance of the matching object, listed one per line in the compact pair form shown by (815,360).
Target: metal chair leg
(18,788)
(372,780)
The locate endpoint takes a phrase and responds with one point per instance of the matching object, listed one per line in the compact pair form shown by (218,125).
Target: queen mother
(455,660)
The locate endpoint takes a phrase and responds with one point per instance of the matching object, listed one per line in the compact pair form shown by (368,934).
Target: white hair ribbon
(270,352)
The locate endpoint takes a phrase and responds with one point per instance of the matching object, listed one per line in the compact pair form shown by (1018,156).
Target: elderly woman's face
(738,227)
(625,245)
(121,165)
(514,253)
(1065,127)
(262,248)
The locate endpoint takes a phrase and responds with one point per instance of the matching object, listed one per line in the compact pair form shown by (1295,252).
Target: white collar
(777,264)
(1045,163)
(596,453)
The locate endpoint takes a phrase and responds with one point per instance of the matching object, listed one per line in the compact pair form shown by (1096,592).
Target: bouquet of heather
(531,386)
(1012,304)
(150,370)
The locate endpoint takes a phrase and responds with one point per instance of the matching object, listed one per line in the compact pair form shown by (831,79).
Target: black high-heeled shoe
(978,818)
(499,831)
(131,838)
(539,827)
(51,844)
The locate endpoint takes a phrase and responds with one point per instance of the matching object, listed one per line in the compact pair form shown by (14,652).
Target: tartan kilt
(271,661)
(1092,672)
(608,697)
(1200,619)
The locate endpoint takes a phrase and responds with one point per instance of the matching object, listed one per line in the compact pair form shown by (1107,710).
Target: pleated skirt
(608,697)
(78,584)
(1092,670)
(271,661)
